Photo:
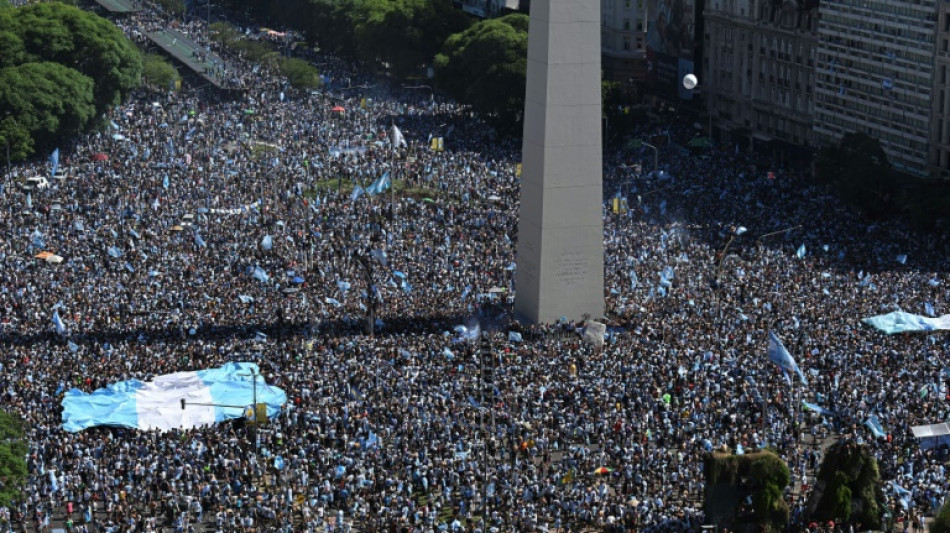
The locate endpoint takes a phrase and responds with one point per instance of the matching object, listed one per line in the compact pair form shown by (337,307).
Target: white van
(35,183)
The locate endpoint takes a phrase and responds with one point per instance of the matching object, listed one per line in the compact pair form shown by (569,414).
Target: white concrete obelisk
(560,231)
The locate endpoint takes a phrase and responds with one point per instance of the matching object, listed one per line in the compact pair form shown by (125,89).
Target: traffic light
(182,404)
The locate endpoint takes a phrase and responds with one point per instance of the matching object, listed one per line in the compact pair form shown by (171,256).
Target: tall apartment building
(877,73)
(623,39)
(758,64)
(940,114)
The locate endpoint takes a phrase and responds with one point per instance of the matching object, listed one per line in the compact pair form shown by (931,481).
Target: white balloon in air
(690,81)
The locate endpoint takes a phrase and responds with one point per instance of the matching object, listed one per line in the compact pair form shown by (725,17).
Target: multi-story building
(759,58)
(940,114)
(487,8)
(876,73)
(623,39)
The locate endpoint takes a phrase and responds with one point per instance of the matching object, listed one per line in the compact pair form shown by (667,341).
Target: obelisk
(560,264)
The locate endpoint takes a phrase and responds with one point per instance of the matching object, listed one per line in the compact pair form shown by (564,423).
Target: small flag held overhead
(801,252)
(54,160)
(398,139)
(58,323)
(780,356)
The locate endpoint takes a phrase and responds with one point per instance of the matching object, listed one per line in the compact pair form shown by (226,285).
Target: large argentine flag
(900,321)
(156,404)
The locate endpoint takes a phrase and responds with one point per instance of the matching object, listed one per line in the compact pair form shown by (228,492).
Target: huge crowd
(162,220)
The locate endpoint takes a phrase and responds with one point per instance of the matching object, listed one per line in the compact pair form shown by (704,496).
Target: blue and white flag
(199,241)
(165,182)
(157,404)
(929,309)
(260,274)
(343,286)
(901,321)
(380,185)
(29,201)
(801,252)
(380,255)
(357,192)
(874,424)
(397,138)
(902,259)
(449,354)
(514,336)
(114,251)
(666,277)
(332,301)
(780,356)
(245,299)
(58,323)
(54,161)
(817,408)
(267,243)
(903,495)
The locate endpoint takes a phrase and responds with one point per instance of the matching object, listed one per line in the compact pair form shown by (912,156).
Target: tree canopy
(13,450)
(157,71)
(858,167)
(941,523)
(485,66)
(63,67)
(850,475)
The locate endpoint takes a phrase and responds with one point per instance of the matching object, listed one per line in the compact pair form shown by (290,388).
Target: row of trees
(478,63)
(859,170)
(61,68)
(301,74)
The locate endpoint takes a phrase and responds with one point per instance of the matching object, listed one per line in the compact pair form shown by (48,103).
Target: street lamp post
(253,375)
(656,153)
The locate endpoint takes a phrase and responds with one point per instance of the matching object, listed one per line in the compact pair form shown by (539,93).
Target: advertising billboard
(670,46)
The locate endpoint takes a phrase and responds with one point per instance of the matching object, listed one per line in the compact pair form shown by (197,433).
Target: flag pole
(392,168)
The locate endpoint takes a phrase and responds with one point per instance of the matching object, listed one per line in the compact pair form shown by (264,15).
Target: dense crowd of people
(162,223)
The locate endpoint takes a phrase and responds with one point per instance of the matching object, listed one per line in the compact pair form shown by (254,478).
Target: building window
(626,24)
(639,43)
(626,42)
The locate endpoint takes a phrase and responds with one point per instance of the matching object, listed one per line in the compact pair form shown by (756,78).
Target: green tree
(858,168)
(157,71)
(224,33)
(850,475)
(54,32)
(48,100)
(731,479)
(405,34)
(299,73)
(485,66)
(941,522)
(172,7)
(13,451)
(17,137)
